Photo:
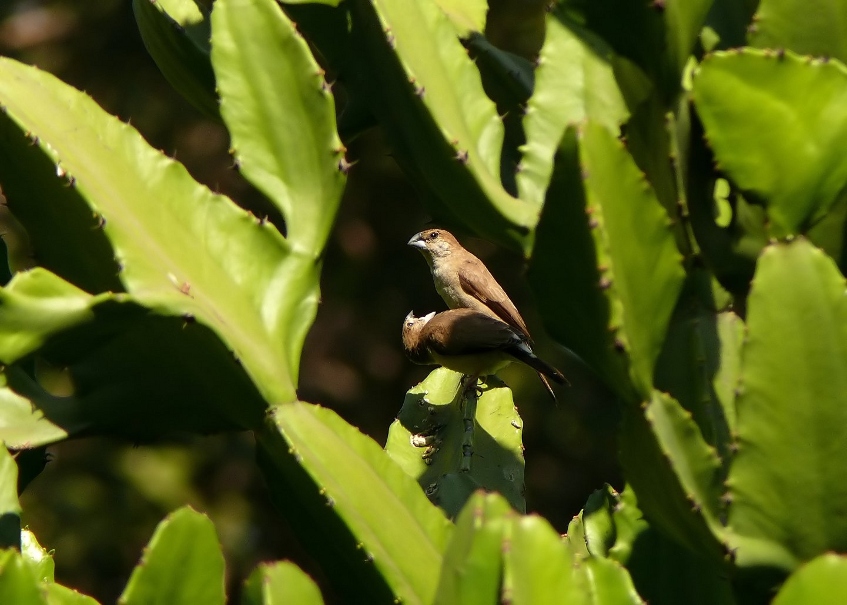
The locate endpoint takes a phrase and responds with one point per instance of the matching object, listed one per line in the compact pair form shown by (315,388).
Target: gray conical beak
(416,241)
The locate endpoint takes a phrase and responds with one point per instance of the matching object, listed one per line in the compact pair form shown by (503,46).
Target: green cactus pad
(675,474)
(473,567)
(656,36)
(822,581)
(808,27)
(427,91)
(540,566)
(573,81)
(131,372)
(352,506)
(434,443)
(180,48)
(182,564)
(281,115)
(606,271)
(184,250)
(280,584)
(791,418)
(10,508)
(760,110)
(17,584)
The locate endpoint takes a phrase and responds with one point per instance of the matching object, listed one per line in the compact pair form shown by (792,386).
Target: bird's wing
(466,332)
(479,283)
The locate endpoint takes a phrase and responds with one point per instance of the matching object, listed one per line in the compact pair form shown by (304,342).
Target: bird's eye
(433,235)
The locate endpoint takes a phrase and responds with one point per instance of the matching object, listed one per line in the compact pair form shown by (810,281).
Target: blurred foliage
(352,361)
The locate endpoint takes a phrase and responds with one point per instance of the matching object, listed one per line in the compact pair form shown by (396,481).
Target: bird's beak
(417,242)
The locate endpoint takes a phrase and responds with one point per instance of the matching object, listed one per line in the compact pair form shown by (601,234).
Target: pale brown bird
(470,342)
(464,282)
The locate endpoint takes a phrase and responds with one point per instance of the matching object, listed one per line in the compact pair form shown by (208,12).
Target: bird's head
(435,243)
(412,327)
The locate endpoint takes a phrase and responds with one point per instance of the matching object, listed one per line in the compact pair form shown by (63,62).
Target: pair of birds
(483,330)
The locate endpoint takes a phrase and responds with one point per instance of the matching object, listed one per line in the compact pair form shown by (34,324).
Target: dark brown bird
(470,342)
(464,282)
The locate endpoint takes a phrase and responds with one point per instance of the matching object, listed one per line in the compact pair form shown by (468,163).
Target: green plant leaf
(176,43)
(183,563)
(467,16)
(62,595)
(675,474)
(167,374)
(280,583)
(792,424)
(606,239)
(17,584)
(191,253)
(435,441)
(428,95)
(281,114)
(540,567)
(816,27)
(10,507)
(473,567)
(656,36)
(366,520)
(573,81)
(822,581)
(39,560)
(776,123)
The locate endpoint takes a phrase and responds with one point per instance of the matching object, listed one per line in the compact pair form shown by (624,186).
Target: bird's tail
(544,369)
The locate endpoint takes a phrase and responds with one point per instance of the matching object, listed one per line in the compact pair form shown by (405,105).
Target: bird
(464,282)
(470,342)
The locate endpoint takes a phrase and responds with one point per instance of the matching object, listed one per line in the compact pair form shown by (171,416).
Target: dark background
(98,500)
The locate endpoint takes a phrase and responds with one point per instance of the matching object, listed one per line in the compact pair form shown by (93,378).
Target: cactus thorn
(420,91)
(605,283)
(101,221)
(593,223)
(71,181)
(462,156)
(188,318)
(537,61)
(780,53)
(344,166)
(326,86)
(519,167)
(330,502)
(659,5)
(619,346)
(35,140)
(263,220)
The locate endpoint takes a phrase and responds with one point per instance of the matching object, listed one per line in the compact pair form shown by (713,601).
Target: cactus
(683,211)
(283,582)
(183,563)
(180,47)
(452,448)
